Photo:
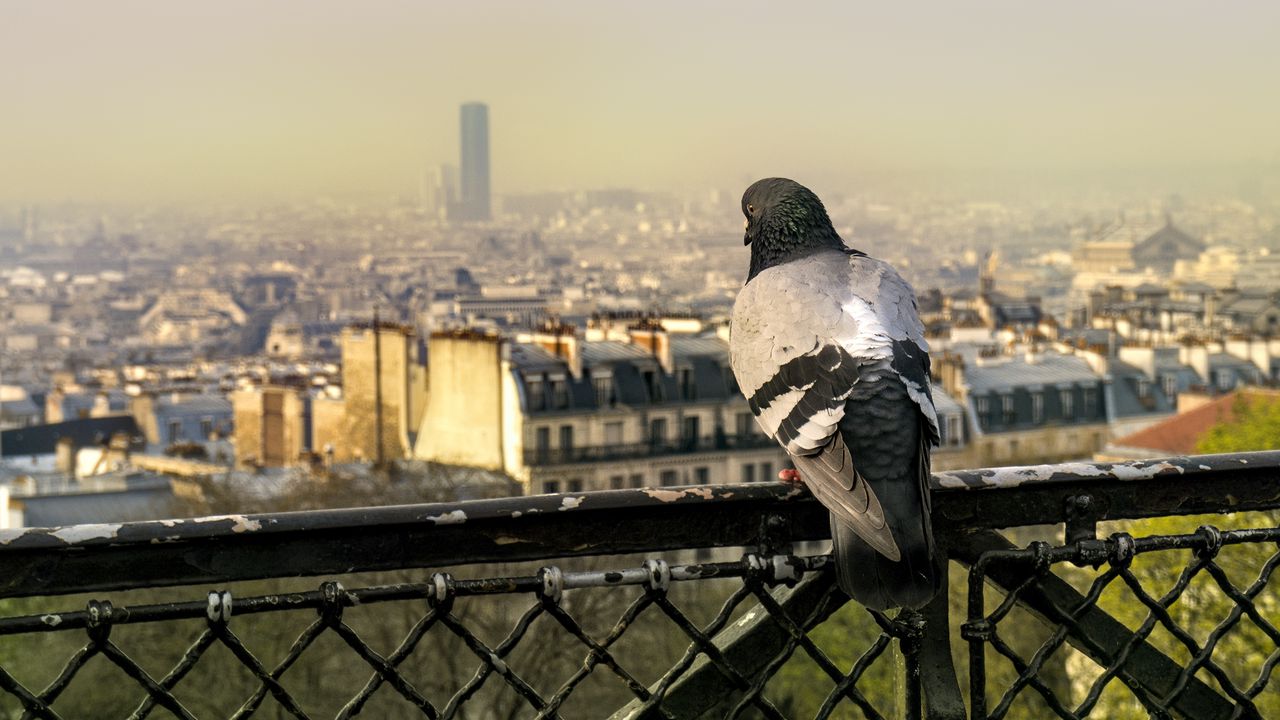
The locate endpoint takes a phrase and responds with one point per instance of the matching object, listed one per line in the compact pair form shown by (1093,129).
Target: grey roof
(43,439)
(1126,383)
(943,403)
(1091,336)
(24,408)
(1195,287)
(1226,360)
(1049,370)
(1249,306)
(149,497)
(611,351)
(528,356)
(205,404)
(706,346)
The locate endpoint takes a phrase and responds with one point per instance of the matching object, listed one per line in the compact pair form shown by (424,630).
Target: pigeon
(827,346)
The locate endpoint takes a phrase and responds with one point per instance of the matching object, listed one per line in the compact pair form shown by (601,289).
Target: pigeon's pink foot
(790,476)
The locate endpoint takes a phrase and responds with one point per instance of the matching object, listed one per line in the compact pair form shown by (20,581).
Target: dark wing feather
(832,478)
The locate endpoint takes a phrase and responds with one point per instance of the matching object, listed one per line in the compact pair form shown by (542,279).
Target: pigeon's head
(784,219)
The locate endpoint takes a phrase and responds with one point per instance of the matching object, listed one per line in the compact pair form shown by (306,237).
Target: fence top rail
(1135,470)
(949,490)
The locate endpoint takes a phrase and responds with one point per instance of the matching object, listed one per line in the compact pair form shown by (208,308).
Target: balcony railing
(530,607)
(537,457)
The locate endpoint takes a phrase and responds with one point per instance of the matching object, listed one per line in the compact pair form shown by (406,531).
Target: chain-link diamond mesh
(560,646)
(1176,625)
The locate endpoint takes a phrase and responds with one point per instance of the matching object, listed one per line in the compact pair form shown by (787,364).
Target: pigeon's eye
(751,209)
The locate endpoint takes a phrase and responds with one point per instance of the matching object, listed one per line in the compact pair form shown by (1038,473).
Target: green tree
(1243,651)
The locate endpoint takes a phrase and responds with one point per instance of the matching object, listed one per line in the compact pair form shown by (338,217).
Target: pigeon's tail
(875,580)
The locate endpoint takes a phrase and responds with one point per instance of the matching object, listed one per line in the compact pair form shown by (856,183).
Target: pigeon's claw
(789,475)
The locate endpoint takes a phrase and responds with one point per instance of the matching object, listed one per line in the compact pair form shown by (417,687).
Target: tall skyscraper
(475,161)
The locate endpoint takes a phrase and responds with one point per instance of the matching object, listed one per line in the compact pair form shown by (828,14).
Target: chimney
(1197,356)
(64,458)
(561,340)
(1251,350)
(651,337)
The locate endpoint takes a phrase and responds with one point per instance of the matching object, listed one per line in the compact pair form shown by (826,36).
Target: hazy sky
(173,100)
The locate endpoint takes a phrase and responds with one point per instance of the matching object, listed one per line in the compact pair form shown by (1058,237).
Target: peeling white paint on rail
(1016,475)
(705,493)
(240,523)
(570,503)
(453,517)
(79,533)
(8,535)
(51,620)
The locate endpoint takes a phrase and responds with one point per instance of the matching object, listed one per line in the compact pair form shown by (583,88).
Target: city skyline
(145,102)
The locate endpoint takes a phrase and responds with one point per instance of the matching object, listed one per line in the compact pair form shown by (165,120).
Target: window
(559,394)
(1037,408)
(604,391)
(766,472)
(952,435)
(690,430)
(1225,380)
(657,431)
(667,478)
(701,475)
(542,443)
(1006,407)
(749,473)
(1068,399)
(1170,384)
(687,389)
(742,424)
(550,486)
(983,406)
(537,395)
(575,485)
(652,385)
(1090,403)
(637,480)
(617,482)
(613,433)
(566,438)
(206,427)
(1144,388)
(175,430)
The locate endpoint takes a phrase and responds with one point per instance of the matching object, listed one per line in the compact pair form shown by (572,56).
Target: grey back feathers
(828,348)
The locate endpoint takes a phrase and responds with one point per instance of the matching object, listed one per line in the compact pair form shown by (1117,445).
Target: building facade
(561,414)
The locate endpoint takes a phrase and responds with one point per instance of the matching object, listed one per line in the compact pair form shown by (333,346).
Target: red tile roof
(1178,435)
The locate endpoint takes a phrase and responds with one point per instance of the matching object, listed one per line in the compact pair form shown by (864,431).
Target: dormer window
(537,394)
(688,391)
(604,391)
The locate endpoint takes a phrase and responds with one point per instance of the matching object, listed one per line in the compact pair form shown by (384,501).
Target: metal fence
(660,603)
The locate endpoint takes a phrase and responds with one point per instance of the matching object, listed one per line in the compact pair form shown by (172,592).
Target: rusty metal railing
(671,602)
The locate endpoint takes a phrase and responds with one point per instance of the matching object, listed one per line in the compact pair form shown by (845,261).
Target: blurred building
(1041,407)
(560,413)
(475,197)
(440,191)
(173,418)
(383,391)
(272,425)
